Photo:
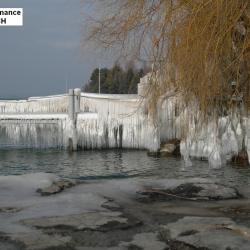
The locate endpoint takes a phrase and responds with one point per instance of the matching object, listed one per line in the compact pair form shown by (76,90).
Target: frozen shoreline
(114,210)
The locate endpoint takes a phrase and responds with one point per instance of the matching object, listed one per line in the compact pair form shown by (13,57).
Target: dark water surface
(113,164)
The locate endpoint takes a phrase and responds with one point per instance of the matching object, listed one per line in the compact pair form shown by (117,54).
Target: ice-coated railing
(121,122)
(46,104)
(77,121)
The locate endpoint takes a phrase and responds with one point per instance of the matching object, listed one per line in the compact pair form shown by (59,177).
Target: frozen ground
(135,213)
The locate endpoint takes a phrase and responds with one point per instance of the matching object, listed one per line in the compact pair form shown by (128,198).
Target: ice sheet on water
(19,192)
(15,188)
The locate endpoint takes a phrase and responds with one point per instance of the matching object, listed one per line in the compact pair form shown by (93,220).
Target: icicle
(214,158)
(184,149)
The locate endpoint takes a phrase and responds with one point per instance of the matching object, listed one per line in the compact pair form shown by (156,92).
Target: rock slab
(56,187)
(207,233)
(188,191)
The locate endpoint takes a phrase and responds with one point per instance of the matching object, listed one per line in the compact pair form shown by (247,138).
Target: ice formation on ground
(217,141)
(19,192)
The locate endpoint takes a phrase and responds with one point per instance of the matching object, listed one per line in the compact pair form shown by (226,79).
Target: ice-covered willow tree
(198,48)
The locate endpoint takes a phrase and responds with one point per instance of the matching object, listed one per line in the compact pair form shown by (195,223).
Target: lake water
(108,164)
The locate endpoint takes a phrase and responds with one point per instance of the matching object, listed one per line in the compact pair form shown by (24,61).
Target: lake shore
(119,214)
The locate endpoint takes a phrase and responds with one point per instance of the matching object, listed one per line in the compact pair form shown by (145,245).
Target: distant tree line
(115,80)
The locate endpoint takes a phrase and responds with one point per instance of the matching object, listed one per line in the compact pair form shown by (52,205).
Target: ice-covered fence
(169,119)
(37,122)
(135,131)
(33,130)
(100,121)
(120,121)
(107,104)
(46,104)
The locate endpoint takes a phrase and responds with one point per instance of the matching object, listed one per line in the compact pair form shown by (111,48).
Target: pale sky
(46,53)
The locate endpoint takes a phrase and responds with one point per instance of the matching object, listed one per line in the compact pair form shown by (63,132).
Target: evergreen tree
(115,80)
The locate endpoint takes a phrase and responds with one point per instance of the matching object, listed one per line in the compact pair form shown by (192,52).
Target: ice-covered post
(71,104)
(77,95)
(143,86)
(72,141)
(248,138)
(153,142)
